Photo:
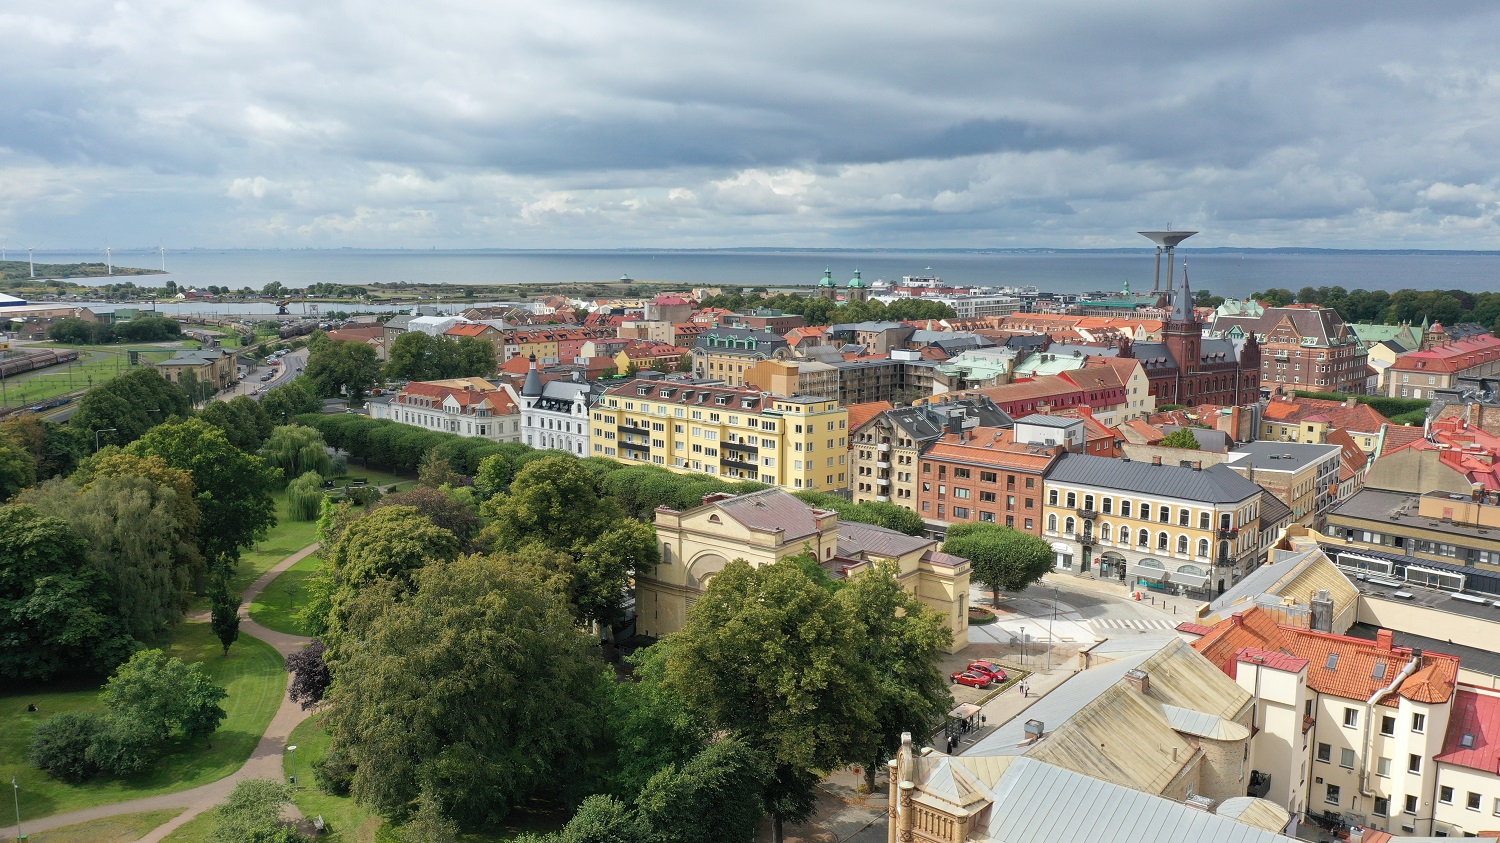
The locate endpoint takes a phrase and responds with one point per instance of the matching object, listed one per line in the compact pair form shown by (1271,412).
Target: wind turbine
(30,259)
(163,250)
(109,262)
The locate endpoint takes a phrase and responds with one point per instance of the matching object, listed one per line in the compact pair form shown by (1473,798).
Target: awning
(1194,580)
(964,710)
(1156,574)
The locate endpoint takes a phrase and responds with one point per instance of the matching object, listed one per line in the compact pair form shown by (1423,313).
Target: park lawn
(253,673)
(126,828)
(383,479)
(282,540)
(279,603)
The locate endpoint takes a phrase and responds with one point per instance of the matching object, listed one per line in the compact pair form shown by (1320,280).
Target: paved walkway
(265,762)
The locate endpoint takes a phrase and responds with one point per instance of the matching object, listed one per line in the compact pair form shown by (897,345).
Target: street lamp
(19,835)
(1023,645)
(291,748)
(102,430)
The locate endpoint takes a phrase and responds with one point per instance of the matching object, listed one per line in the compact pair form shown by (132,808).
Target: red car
(972,679)
(985,668)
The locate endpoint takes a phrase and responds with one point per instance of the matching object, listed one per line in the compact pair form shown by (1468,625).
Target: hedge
(398,447)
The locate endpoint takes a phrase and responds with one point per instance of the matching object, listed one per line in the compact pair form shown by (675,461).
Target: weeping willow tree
(305,496)
(296,450)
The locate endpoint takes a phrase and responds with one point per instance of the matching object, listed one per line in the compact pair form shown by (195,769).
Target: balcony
(729,461)
(883,465)
(883,481)
(883,447)
(883,498)
(1086,514)
(1224,561)
(1227,532)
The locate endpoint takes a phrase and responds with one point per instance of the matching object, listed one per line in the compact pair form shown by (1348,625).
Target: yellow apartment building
(796,442)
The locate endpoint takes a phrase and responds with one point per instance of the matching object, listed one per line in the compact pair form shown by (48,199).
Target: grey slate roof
(1272,511)
(1216,484)
(925,422)
(771,509)
(856,539)
(1262,578)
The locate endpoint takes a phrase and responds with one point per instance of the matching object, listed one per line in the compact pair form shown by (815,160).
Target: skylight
(1380,669)
(1333,662)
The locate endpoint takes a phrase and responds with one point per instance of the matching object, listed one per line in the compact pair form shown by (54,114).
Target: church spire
(1182,299)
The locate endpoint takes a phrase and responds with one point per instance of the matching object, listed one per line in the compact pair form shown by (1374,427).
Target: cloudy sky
(638,123)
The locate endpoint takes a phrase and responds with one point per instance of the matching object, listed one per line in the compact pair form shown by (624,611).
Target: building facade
(887,448)
(796,442)
(725,353)
(1304,348)
(993,475)
(1178,528)
(466,406)
(555,413)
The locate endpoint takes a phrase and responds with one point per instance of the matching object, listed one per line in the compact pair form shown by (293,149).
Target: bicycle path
(265,761)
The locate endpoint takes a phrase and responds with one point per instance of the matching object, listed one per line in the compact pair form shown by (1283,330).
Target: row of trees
(416,356)
(1394,307)
(820,311)
(143,329)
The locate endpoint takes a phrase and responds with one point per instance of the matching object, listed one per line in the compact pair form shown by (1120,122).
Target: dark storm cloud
(272,122)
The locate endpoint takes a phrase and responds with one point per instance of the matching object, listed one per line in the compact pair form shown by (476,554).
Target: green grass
(383,479)
(280,602)
(126,828)
(68,377)
(348,821)
(254,675)
(200,829)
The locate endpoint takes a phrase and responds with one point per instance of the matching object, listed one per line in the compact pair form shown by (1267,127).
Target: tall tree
(1003,558)
(252,814)
(242,419)
(17,468)
(342,369)
(295,450)
(134,532)
(56,613)
(123,408)
(232,488)
(224,615)
(164,696)
(765,655)
(283,403)
(416,711)
(1181,438)
(724,781)
(553,501)
(901,640)
(441,508)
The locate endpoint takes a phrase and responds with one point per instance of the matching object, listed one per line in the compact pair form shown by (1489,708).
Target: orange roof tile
(1397,438)
(990,446)
(859,414)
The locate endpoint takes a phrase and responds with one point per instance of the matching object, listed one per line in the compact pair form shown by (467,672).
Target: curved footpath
(264,763)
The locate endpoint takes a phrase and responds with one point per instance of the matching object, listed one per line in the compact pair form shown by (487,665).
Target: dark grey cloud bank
(596,123)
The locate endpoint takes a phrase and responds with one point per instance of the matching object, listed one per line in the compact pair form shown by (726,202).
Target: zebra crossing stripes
(1133,623)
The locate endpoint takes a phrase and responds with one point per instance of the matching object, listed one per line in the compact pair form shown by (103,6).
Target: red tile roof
(1352,674)
(859,414)
(1455,356)
(468,330)
(1475,713)
(1397,438)
(993,446)
(1271,659)
(1360,418)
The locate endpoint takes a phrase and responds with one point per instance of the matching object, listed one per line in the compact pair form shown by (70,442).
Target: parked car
(267,376)
(990,669)
(972,679)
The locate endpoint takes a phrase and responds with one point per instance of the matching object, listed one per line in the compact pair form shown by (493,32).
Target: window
(1125,509)
(1052,498)
(1351,718)
(1052,523)
(1382,806)
(1145,510)
(1203,548)
(1383,767)
(1472,803)
(1387,725)
(1497,807)
(1419,723)
(1445,795)
(1184,518)
(1325,752)
(1346,758)
(1182,545)
(1413,763)
(1411,805)
(1333,795)
(1203,520)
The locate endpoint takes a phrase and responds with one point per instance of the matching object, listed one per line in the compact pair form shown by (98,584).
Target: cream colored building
(765,527)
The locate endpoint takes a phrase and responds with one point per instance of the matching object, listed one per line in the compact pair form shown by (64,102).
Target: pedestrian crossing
(1133,623)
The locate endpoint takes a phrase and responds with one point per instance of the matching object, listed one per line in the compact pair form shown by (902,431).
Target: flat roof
(1273,456)
(1400,508)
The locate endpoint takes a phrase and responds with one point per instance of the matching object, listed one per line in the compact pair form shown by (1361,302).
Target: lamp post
(1049,629)
(291,748)
(17,788)
(102,430)
(1023,645)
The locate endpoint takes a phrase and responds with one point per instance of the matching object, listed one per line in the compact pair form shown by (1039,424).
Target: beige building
(209,365)
(887,447)
(793,377)
(765,527)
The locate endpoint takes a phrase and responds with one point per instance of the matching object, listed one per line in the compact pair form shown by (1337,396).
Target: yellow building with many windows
(796,442)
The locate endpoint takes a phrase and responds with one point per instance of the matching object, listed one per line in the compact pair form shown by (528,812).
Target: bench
(319,825)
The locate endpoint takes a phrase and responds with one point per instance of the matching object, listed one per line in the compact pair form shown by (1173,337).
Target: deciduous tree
(310,675)
(163,696)
(1003,558)
(1180,438)
(252,814)
(766,656)
(478,689)
(243,420)
(342,369)
(295,450)
(123,408)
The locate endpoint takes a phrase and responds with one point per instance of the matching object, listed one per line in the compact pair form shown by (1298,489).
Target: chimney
(1035,730)
(1197,465)
(1356,834)
(1349,403)
(1138,679)
(1156,460)
(1385,640)
(715,497)
(1322,614)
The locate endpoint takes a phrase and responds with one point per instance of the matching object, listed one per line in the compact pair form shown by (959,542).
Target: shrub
(334,772)
(60,747)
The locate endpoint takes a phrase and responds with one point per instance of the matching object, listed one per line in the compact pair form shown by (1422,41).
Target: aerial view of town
(852,424)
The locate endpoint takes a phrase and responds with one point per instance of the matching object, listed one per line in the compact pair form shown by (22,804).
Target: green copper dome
(827,279)
(856,281)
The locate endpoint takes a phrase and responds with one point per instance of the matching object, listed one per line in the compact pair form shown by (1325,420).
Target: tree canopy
(121,410)
(515,722)
(1003,558)
(1182,437)
(342,369)
(243,420)
(421,357)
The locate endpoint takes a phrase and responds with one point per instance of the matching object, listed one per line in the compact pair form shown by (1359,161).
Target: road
(1074,612)
(252,385)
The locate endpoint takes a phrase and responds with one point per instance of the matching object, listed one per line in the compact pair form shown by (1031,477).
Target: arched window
(1052,523)
(1069,525)
(1203,521)
(1072,499)
(1143,538)
(1182,545)
(1125,536)
(1203,548)
(1161,542)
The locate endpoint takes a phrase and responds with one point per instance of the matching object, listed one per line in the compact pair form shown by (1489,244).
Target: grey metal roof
(1042,420)
(1261,579)
(1270,456)
(1273,512)
(856,539)
(771,509)
(925,422)
(1058,707)
(1215,484)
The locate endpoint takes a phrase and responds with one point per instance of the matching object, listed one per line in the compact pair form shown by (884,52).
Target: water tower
(1165,240)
